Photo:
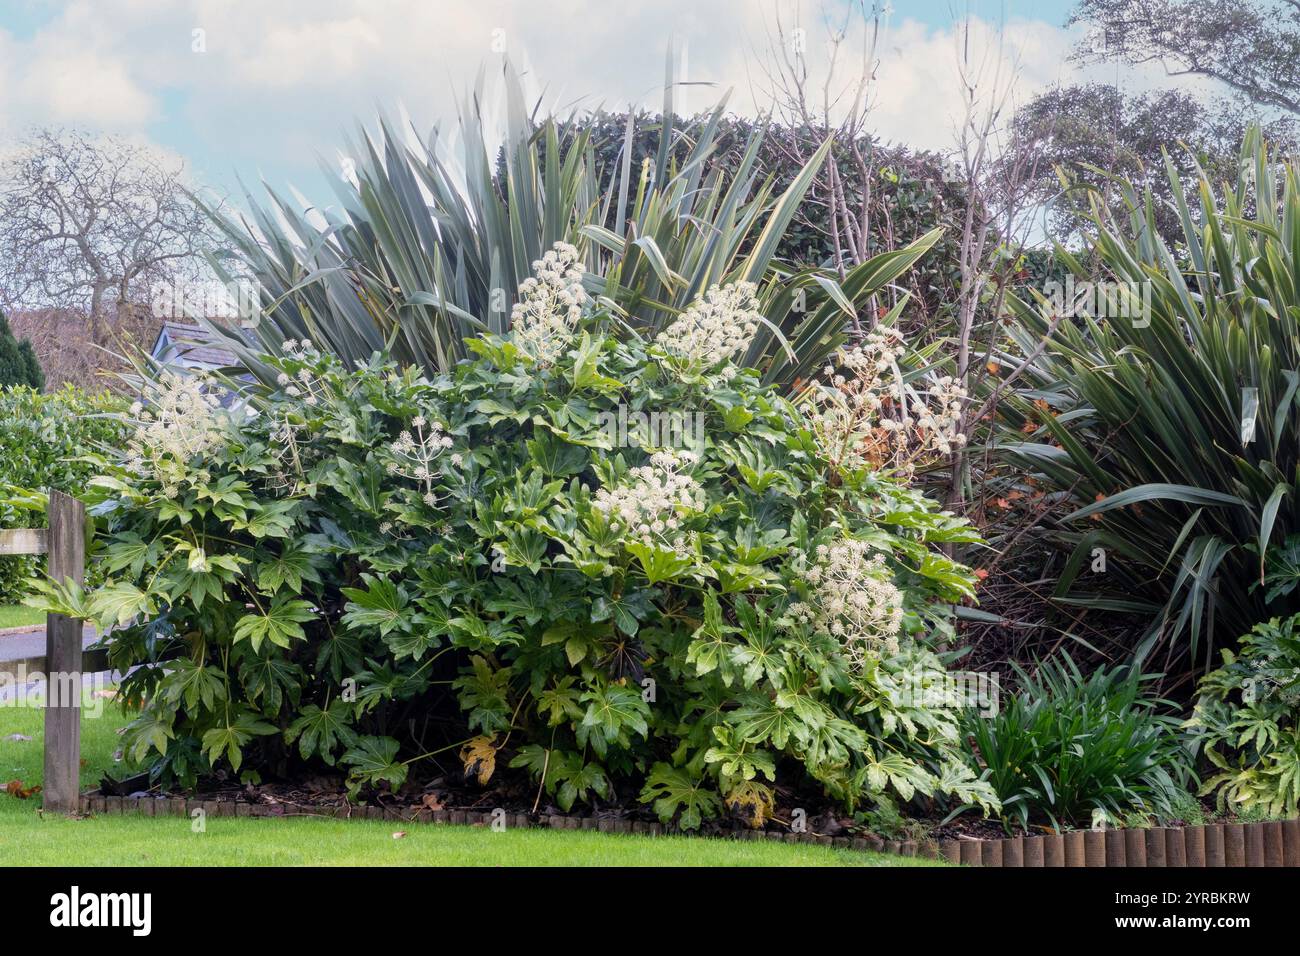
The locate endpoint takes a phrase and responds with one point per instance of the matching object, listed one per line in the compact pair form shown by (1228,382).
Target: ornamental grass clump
(1070,750)
(474,564)
(1165,426)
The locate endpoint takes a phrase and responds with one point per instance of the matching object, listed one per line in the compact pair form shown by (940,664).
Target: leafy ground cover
(29,838)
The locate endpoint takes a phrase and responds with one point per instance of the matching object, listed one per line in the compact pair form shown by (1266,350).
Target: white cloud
(85,89)
(919,98)
(280,82)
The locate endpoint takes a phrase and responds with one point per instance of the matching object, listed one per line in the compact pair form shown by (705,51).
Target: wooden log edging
(1269,843)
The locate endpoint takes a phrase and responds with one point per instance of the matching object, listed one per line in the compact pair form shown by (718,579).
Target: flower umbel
(716,326)
(304,384)
(854,599)
(413,455)
(867,416)
(544,319)
(649,507)
(179,419)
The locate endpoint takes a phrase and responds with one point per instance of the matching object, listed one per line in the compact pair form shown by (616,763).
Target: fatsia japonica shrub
(623,568)
(1247,718)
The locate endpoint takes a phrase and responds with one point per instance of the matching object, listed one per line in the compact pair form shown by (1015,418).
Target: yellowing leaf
(480,759)
(752,801)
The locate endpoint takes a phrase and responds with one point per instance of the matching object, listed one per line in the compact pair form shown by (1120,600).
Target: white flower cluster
(870,417)
(649,508)
(938,418)
(178,420)
(413,456)
(304,384)
(854,599)
(288,472)
(550,305)
(717,326)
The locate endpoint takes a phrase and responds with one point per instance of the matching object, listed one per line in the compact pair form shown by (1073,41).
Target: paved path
(28,644)
(17,647)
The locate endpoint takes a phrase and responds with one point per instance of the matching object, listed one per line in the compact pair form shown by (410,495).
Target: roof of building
(191,346)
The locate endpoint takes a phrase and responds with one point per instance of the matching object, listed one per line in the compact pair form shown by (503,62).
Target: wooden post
(67,559)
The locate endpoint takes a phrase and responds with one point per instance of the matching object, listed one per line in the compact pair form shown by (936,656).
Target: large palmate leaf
(281,623)
(673,791)
(231,734)
(372,761)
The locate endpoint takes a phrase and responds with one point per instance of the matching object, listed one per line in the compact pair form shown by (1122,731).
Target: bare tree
(999,172)
(829,98)
(92,224)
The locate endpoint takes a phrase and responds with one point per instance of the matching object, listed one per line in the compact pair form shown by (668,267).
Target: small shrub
(379,570)
(18,363)
(1246,719)
(1071,750)
(43,441)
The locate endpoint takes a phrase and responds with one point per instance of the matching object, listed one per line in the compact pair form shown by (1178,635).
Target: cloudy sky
(261,88)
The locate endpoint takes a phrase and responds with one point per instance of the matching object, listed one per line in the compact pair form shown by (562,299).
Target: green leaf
(321,732)
(380,605)
(289,569)
(281,623)
(1156,491)
(373,760)
(120,602)
(673,790)
(613,710)
(230,737)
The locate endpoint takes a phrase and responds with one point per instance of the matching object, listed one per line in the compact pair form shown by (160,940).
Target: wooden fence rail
(64,544)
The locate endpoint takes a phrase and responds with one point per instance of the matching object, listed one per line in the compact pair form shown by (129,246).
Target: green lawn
(28,839)
(17,615)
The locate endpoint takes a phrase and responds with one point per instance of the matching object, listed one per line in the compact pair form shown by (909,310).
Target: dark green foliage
(1068,750)
(42,438)
(18,364)
(35,375)
(1132,419)
(1248,719)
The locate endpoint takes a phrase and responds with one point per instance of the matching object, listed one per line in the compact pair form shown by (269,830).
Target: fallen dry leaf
(18,737)
(431,802)
(15,788)
(399,834)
